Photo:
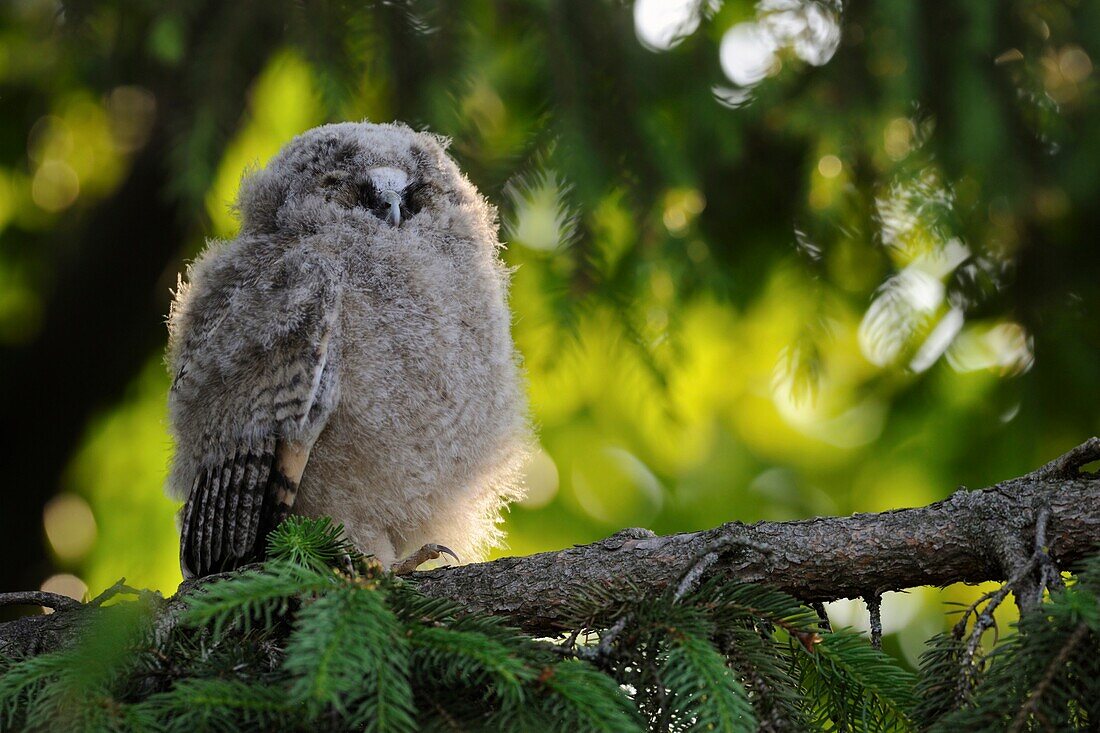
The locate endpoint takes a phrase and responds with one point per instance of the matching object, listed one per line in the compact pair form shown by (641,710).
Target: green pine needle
(702,689)
(470,659)
(223,705)
(853,686)
(347,654)
(255,596)
(300,644)
(316,543)
(580,698)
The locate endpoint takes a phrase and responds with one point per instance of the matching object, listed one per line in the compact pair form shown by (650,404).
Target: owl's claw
(428,552)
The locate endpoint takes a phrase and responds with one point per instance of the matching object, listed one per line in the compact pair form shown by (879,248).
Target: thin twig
(609,638)
(1069,464)
(985,619)
(708,557)
(1056,664)
(1050,576)
(56,601)
(118,588)
(691,577)
(874,610)
(959,629)
(602,651)
(572,640)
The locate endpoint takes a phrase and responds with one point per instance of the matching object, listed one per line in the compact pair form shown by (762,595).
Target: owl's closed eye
(349,192)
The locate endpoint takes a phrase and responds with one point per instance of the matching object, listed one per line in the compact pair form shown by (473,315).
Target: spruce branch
(1055,666)
(959,539)
(699,626)
(855,686)
(1046,676)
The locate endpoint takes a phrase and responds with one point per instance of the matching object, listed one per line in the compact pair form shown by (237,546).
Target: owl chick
(349,355)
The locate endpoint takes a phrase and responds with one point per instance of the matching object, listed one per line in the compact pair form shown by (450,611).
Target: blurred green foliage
(801,259)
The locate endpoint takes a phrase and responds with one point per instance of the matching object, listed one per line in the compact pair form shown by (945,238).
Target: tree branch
(52,601)
(971,536)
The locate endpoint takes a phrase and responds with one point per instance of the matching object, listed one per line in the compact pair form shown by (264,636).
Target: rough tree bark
(972,536)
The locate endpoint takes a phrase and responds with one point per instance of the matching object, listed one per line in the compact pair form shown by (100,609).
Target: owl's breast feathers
(255,382)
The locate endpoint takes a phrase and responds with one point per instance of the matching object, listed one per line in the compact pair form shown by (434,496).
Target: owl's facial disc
(388,179)
(389,182)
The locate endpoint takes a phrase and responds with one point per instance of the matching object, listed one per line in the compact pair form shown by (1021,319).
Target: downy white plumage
(348,354)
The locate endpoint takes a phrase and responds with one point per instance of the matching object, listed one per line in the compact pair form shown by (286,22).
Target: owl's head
(376,178)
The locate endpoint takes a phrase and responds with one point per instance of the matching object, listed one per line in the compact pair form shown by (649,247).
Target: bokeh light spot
(663,24)
(1074,64)
(1004,348)
(811,29)
(662,286)
(829,166)
(682,205)
(65,584)
(166,41)
(55,186)
(541,480)
(748,54)
(132,111)
(697,250)
(898,138)
(70,526)
(1051,203)
(750,51)
(49,138)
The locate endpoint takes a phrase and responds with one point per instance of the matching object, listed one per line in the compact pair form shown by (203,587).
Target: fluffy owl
(349,355)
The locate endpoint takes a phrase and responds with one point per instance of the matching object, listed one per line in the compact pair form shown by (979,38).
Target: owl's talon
(449,551)
(430,551)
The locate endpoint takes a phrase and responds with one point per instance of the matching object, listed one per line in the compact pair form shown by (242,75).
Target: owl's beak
(392,199)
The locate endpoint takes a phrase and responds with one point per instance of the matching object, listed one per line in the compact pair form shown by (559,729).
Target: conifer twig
(874,613)
(1057,663)
(960,539)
